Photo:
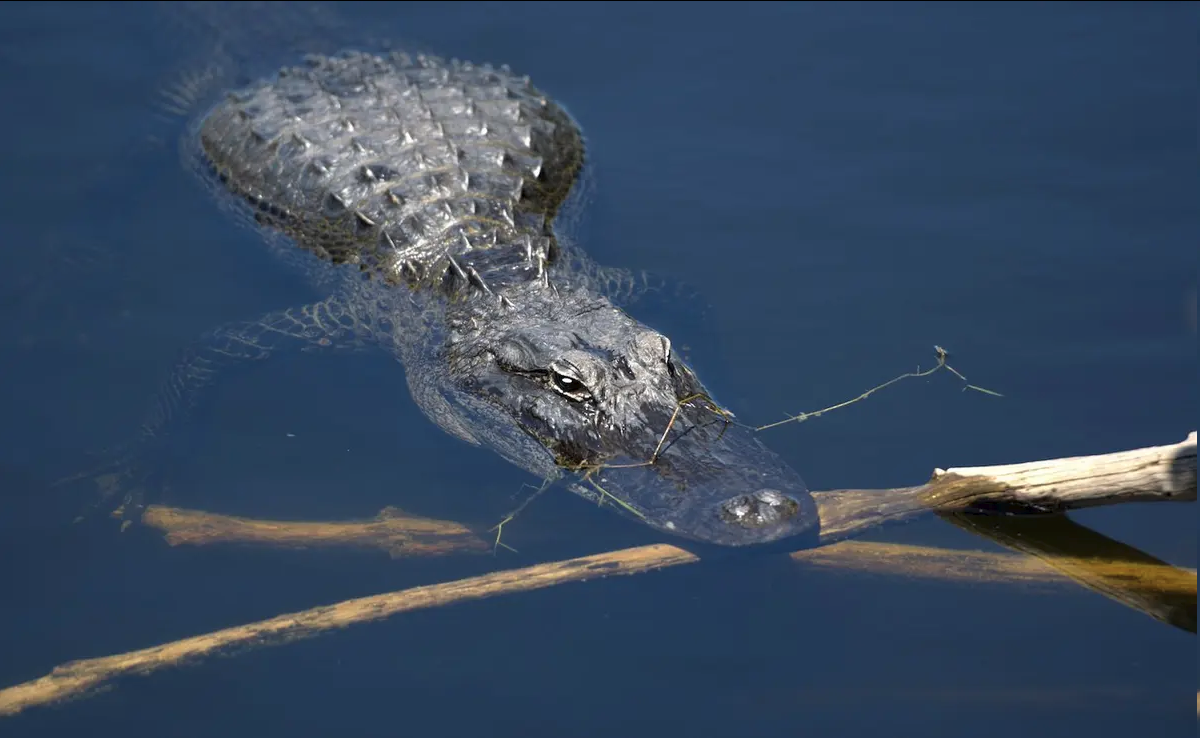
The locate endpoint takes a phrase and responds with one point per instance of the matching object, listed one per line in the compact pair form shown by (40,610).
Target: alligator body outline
(420,195)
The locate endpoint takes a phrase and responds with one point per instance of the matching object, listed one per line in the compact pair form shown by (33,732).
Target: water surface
(845,185)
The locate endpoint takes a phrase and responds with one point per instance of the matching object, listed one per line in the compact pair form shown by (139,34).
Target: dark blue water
(845,185)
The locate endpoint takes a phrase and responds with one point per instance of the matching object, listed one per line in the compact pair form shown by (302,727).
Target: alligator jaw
(560,380)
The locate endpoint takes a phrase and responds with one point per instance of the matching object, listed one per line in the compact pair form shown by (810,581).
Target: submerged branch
(392,530)
(1157,473)
(1160,473)
(79,678)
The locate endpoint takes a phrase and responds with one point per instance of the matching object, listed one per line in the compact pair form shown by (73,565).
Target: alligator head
(560,382)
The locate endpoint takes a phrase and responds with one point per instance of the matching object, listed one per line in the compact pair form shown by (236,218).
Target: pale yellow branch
(78,678)
(1160,474)
(391,530)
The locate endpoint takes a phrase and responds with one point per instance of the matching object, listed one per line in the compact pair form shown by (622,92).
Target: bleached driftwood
(1157,473)
(1141,475)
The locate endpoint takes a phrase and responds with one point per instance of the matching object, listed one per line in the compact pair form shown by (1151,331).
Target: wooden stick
(1160,473)
(79,678)
(1155,474)
(1151,474)
(190,527)
(392,530)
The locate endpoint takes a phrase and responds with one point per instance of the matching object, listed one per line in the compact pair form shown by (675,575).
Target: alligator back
(415,169)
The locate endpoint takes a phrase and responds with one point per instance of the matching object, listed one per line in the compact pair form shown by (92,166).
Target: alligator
(420,196)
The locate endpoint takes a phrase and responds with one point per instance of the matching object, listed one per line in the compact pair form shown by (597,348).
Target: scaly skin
(422,196)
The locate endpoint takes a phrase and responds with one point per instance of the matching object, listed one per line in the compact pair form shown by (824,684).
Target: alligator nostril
(764,507)
(770,497)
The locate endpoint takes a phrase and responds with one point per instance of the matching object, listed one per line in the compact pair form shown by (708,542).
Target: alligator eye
(569,386)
